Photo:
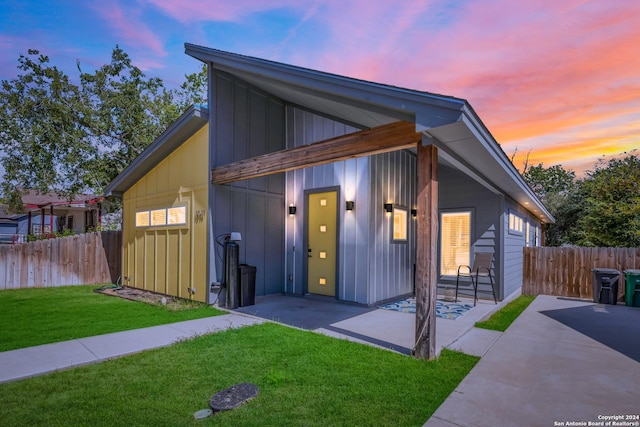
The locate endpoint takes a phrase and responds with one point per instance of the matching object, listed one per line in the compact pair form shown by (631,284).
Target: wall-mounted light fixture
(350,205)
(292,210)
(388,207)
(414,213)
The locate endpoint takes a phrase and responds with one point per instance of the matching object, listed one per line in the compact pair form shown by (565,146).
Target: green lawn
(304,379)
(501,320)
(44,315)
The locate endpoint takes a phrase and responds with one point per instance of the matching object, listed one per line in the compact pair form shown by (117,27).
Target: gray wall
(393,180)
(370,267)
(514,244)
(459,192)
(245,122)
(351,176)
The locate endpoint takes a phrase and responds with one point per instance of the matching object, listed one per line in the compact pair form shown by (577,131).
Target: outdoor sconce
(414,213)
(292,210)
(388,207)
(350,205)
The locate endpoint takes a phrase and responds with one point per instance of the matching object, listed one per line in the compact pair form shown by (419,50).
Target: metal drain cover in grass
(233,397)
(202,414)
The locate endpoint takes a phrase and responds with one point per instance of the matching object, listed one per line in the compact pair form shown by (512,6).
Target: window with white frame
(455,241)
(399,224)
(176,215)
(527,236)
(516,225)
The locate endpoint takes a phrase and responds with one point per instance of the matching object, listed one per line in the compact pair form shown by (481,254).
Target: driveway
(562,362)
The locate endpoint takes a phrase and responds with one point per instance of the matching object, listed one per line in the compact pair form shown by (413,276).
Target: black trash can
(605,285)
(247,285)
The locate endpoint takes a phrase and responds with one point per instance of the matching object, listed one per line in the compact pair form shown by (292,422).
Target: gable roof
(173,137)
(449,123)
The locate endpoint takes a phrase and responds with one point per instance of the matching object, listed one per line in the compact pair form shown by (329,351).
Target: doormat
(444,310)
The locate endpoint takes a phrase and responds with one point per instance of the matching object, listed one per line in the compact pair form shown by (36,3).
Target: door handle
(309,253)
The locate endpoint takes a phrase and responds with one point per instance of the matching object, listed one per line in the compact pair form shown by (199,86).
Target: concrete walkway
(386,329)
(42,359)
(561,361)
(383,328)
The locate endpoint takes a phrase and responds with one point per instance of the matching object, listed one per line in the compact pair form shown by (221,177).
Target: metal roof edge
(475,124)
(270,68)
(196,116)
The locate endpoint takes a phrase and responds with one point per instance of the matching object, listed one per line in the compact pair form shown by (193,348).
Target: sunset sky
(560,79)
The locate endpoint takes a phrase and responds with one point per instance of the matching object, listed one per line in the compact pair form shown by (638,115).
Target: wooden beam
(426,252)
(394,136)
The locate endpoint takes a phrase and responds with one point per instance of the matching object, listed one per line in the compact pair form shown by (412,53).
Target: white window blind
(455,241)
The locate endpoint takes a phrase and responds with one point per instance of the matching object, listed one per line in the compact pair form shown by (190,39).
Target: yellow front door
(321,250)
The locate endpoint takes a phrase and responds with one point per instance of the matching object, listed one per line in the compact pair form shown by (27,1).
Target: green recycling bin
(632,288)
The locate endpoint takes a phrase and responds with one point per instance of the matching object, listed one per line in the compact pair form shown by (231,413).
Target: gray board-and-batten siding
(247,122)
(370,267)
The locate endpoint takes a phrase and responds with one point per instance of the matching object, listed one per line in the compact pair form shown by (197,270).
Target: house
(45,213)
(350,189)
(12,226)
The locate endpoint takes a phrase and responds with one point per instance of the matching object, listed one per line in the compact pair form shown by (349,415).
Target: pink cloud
(533,70)
(130,28)
(206,10)
(540,73)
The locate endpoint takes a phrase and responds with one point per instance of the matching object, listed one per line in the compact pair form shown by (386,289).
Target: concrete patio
(371,325)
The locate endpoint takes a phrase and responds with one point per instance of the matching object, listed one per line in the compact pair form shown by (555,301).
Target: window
(399,224)
(527,236)
(161,217)
(455,241)
(516,225)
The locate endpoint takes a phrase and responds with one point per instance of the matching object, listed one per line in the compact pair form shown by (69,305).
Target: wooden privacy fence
(74,260)
(568,272)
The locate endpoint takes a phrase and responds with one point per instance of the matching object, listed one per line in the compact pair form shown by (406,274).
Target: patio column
(29,224)
(51,229)
(426,252)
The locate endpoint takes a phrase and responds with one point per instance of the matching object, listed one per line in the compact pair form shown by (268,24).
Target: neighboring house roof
(6,217)
(176,134)
(35,200)
(449,123)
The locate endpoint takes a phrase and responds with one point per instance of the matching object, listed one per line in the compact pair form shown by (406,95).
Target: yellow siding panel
(174,259)
(170,259)
(161,261)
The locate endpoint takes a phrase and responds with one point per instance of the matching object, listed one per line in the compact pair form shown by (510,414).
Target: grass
(304,379)
(501,320)
(45,315)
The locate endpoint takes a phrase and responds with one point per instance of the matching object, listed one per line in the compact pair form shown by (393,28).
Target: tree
(125,112)
(611,192)
(65,137)
(554,179)
(556,187)
(193,90)
(43,138)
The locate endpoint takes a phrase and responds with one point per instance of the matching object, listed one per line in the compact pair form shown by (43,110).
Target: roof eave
(177,133)
(473,121)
